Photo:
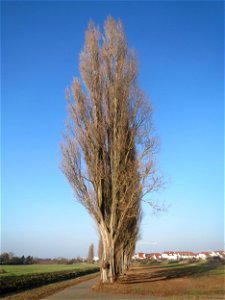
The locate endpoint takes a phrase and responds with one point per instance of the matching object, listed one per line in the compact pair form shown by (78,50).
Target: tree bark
(108,270)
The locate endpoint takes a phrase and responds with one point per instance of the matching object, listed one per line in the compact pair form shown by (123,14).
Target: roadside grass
(15,279)
(48,290)
(182,281)
(182,288)
(194,281)
(17,270)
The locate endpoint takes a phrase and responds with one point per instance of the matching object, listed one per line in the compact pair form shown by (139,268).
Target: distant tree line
(11,259)
(62,260)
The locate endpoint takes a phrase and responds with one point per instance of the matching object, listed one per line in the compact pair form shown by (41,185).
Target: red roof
(186,253)
(140,254)
(169,252)
(149,255)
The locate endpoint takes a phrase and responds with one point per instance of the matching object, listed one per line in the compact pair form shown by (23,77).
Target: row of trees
(11,259)
(62,260)
(109,146)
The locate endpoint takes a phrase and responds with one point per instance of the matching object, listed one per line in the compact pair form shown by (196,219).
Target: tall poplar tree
(108,151)
(90,257)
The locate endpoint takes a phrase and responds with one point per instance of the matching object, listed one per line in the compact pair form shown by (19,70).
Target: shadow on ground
(183,271)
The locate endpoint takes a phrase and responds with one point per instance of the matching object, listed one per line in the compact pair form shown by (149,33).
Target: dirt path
(83,291)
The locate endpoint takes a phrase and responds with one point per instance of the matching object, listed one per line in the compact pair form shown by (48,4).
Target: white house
(139,255)
(170,255)
(220,254)
(217,254)
(202,255)
(96,258)
(153,256)
(186,255)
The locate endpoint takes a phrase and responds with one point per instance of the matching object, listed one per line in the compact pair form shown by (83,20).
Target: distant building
(96,259)
(203,255)
(153,256)
(170,255)
(179,255)
(221,254)
(139,255)
(186,255)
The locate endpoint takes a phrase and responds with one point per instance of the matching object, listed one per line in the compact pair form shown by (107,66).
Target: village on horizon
(179,255)
(176,256)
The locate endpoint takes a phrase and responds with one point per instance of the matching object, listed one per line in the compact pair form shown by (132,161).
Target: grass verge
(182,282)
(48,290)
(16,283)
(18,270)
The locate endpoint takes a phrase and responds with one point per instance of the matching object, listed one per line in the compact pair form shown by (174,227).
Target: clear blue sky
(180,51)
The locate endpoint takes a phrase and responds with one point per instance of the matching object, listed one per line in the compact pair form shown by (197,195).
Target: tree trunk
(105,261)
(121,262)
(125,263)
(108,268)
(112,272)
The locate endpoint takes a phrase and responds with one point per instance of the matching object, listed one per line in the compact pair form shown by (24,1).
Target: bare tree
(90,258)
(109,146)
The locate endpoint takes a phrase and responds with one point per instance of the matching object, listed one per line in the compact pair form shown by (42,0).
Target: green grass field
(16,278)
(11,270)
